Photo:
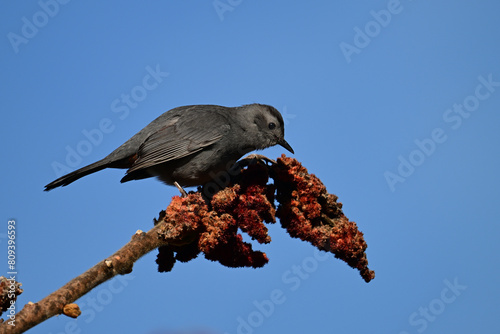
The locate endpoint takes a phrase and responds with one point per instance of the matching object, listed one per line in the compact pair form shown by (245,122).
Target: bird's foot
(252,158)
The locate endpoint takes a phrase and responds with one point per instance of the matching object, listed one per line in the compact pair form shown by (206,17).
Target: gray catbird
(190,144)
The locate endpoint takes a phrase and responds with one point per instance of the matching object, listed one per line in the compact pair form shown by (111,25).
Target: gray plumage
(191,144)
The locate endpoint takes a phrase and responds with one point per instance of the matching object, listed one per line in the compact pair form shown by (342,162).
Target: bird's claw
(257,157)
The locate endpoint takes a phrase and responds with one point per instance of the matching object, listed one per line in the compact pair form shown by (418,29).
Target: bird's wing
(176,141)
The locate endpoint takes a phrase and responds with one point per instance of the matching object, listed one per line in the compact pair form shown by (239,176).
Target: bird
(186,146)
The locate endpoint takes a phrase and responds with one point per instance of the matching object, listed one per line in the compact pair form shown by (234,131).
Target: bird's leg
(183,192)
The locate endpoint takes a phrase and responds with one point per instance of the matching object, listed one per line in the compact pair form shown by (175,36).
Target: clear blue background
(349,119)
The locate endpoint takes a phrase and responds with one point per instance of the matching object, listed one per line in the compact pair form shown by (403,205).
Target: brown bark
(120,263)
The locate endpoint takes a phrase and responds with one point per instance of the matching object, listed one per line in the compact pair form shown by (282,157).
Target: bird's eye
(272,126)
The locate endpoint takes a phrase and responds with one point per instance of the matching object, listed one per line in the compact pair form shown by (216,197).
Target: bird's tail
(73,176)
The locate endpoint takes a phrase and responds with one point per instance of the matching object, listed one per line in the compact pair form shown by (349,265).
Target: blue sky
(393,104)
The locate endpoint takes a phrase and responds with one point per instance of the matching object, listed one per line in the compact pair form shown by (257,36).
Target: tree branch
(120,263)
(198,223)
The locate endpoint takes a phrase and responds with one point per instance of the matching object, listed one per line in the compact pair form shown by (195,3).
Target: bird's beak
(283,143)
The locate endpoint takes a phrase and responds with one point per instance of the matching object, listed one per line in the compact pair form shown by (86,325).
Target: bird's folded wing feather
(175,141)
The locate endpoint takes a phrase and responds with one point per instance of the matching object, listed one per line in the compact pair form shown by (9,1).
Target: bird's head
(266,126)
